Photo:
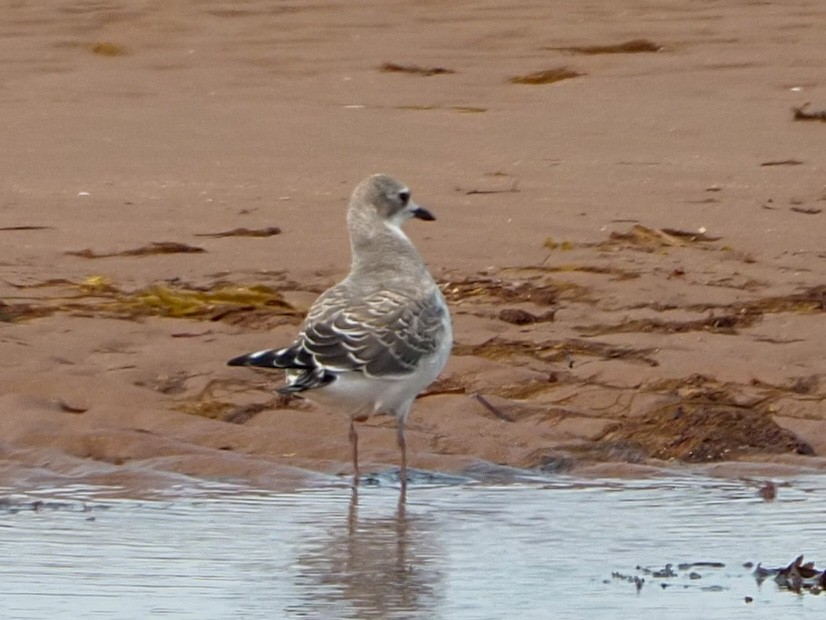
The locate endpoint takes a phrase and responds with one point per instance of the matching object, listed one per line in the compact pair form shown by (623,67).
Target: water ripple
(544,548)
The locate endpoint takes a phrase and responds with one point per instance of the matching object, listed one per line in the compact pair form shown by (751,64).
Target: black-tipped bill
(423,214)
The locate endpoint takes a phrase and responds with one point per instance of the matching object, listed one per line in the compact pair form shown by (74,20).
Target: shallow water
(543,549)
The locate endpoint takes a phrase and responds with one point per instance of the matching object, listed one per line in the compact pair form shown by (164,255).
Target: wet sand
(633,255)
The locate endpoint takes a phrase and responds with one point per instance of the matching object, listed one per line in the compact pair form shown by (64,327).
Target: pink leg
(354,441)
(403,447)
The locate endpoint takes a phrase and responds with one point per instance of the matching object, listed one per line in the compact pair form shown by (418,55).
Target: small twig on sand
(493,409)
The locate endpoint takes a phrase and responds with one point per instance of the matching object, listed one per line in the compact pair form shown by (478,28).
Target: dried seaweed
(462,109)
(392,67)
(269,231)
(559,351)
(459,290)
(703,433)
(565,246)
(230,13)
(548,76)
(517,316)
(783,162)
(51,282)
(95,285)
(609,270)
(159,247)
(652,238)
(14,228)
(98,296)
(107,48)
(524,391)
(809,300)
(14,313)
(215,304)
(634,46)
(806,211)
(716,324)
(467,109)
(418,107)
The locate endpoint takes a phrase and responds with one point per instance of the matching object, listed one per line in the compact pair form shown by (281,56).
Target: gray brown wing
(385,334)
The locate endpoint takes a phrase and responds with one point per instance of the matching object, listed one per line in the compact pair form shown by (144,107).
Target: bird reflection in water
(372,567)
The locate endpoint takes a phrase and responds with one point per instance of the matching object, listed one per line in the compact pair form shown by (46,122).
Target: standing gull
(375,340)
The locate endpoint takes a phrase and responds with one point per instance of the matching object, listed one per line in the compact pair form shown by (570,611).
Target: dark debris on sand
(705,432)
(801,114)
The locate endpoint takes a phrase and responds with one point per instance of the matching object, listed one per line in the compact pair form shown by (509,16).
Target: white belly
(358,394)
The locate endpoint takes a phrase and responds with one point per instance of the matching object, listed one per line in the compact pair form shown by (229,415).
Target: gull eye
(404,196)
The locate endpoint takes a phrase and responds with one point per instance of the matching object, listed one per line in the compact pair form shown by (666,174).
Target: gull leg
(354,441)
(353,512)
(403,447)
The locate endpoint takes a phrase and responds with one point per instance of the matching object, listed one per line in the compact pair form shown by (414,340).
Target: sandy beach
(630,231)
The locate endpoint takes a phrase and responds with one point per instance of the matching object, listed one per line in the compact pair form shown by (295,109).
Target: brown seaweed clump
(698,433)
(392,67)
(256,306)
(157,247)
(548,76)
(107,48)
(634,46)
(796,577)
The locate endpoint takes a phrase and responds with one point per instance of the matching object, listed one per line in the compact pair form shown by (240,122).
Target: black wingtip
(265,359)
(268,358)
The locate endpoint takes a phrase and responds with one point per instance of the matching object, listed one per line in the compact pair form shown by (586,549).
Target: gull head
(384,197)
